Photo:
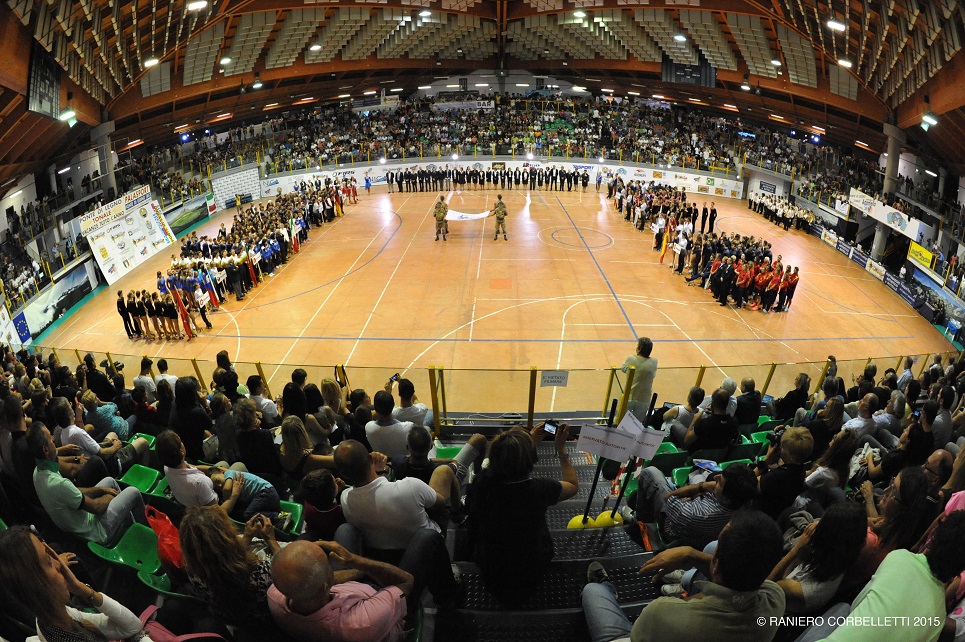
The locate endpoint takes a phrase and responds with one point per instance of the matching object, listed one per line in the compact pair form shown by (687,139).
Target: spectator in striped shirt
(694,514)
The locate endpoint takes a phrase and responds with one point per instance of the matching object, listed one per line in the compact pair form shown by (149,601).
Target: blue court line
(556,341)
(600,269)
(335,280)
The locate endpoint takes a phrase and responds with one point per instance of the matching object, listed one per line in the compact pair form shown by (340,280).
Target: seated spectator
(294,404)
(418,464)
(728,384)
(162,369)
(748,403)
(783,409)
(189,484)
(97,381)
(313,603)
(225,427)
(267,407)
(409,408)
(146,414)
(256,445)
(863,424)
(296,455)
(345,425)
(189,418)
(144,380)
(257,496)
(833,467)
(738,604)
(43,586)
(99,514)
(811,572)
(389,520)
(385,433)
(825,424)
(117,456)
(831,389)
(508,534)
(104,418)
(941,428)
(165,403)
(677,420)
(234,582)
(781,473)
(323,514)
(908,588)
(694,514)
(914,447)
(718,429)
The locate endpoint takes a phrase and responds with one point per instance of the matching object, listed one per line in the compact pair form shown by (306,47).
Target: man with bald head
(310,601)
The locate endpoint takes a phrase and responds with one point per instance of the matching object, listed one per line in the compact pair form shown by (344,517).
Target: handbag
(168,544)
(160,633)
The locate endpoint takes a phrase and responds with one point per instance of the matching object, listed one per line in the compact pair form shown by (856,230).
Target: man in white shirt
(409,408)
(162,368)
(144,380)
(730,385)
(385,433)
(388,520)
(267,407)
(907,375)
(191,486)
(864,424)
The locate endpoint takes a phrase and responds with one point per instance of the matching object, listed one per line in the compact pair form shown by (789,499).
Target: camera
(775,437)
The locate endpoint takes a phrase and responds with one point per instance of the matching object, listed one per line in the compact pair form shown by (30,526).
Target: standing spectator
(641,389)
(145,381)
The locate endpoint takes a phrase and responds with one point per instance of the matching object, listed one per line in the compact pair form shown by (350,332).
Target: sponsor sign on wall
(919,254)
(898,221)
(769,188)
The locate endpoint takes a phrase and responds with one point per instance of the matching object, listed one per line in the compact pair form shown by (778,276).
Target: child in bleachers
(257,496)
(323,514)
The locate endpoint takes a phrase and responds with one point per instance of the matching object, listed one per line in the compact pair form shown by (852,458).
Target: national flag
(23,330)
(182,312)
(293,231)
(209,286)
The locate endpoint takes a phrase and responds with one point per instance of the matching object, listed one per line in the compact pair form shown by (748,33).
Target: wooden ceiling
(900,51)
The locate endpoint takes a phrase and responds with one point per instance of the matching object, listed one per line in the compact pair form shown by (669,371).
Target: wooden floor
(572,288)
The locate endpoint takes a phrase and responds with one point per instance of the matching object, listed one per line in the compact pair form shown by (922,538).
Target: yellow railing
(467,399)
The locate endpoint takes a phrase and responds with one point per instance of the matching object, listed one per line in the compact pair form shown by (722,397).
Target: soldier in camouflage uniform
(440,213)
(499,211)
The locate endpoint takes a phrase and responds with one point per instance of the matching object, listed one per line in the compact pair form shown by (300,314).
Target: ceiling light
(482,84)
(696,100)
(455,157)
(382,161)
(633,93)
(425,13)
(600,159)
(197,5)
(396,89)
(271,105)
(305,100)
(257,84)
(820,129)
(136,141)
(17,193)
(680,37)
(745,86)
(729,105)
(67,114)
(836,25)
(844,62)
(609,91)
(862,143)
(64,170)
(777,117)
(344,95)
(546,51)
(225,60)
(425,87)
(224,115)
(776,62)
(565,64)
(150,62)
(578,88)
(451,86)
(927,117)
(579,14)
(522,84)
(529,155)
(315,47)
(368,93)
(931,173)
(658,96)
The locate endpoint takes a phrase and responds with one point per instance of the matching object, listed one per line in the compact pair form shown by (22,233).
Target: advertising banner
(898,221)
(125,232)
(859,257)
(769,188)
(842,246)
(919,254)
(54,301)
(877,269)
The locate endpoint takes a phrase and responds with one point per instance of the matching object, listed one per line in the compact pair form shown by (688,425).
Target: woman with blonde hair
(296,450)
(223,569)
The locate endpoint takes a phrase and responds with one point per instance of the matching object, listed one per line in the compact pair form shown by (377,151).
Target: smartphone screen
(550,427)
(394,377)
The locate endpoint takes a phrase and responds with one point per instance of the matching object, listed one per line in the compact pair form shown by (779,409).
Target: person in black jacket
(125,315)
(97,381)
(189,418)
(785,407)
(748,403)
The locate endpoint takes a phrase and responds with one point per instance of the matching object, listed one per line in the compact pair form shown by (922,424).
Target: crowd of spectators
(20,274)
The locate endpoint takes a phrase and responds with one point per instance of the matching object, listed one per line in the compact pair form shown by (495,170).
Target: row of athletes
(164,311)
(758,284)
(779,210)
(433,180)
(499,211)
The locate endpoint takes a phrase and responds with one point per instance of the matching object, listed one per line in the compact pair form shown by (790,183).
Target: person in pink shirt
(311,602)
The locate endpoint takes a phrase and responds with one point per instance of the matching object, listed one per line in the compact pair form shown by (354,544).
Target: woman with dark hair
(189,418)
(826,424)
(812,570)
(43,584)
(229,382)
(641,389)
(225,426)
(295,404)
(346,426)
(223,361)
(223,569)
(508,534)
(165,403)
(832,468)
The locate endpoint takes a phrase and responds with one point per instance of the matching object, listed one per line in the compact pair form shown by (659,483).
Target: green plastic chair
(137,549)
(447,452)
(747,429)
(760,437)
(666,462)
(297,511)
(160,488)
(140,477)
(735,461)
(712,454)
(667,447)
(763,419)
(771,425)
(162,584)
(745,451)
(680,475)
(146,437)
(3,525)
(415,635)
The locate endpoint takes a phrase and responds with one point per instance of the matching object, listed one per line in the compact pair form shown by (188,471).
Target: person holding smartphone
(508,534)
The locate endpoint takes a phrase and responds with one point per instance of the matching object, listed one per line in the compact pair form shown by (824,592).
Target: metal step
(563,583)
